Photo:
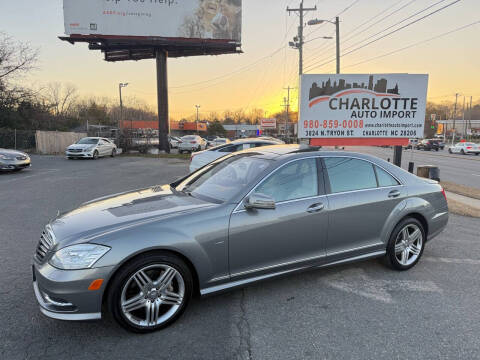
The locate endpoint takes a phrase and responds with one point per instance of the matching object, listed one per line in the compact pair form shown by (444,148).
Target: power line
(340,13)
(384,36)
(387,28)
(416,44)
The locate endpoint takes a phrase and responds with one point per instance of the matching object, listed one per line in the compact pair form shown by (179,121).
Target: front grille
(44,245)
(75,150)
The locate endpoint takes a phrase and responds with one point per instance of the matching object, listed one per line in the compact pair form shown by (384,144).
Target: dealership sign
(193,19)
(378,106)
(268,123)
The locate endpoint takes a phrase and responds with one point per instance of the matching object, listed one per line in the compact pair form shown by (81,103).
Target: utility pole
(470,122)
(337,26)
(298,44)
(454,117)
(463,118)
(287,108)
(196,122)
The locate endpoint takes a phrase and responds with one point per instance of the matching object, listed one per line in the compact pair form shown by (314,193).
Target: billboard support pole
(162,99)
(397,155)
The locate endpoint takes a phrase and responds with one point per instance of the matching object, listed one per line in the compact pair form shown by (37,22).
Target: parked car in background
(464,148)
(412,143)
(191,143)
(173,140)
(219,141)
(428,145)
(91,148)
(441,144)
(202,158)
(253,215)
(13,160)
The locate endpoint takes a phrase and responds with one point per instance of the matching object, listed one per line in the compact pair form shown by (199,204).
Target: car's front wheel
(150,292)
(450,151)
(406,244)
(95,155)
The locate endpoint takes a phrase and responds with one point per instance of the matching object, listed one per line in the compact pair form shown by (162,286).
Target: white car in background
(91,148)
(174,141)
(205,157)
(219,141)
(191,143)
(465,148)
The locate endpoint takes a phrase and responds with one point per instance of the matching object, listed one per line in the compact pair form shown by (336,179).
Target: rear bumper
(64,294)
(437,224)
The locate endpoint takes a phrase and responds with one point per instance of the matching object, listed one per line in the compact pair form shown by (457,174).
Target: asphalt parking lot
(358,311)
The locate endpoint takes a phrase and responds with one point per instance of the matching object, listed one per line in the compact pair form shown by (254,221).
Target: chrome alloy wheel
(152,295)
(408,244)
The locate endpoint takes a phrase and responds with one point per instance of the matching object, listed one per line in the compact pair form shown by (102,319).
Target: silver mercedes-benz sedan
(252,215)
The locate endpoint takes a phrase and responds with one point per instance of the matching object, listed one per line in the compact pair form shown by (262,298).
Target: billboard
(192,19)
(362,106)
(268,123)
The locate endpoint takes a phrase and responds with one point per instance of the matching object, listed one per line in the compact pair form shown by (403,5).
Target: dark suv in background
(428,145)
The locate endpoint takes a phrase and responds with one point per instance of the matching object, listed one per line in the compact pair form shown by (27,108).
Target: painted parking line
(452,260)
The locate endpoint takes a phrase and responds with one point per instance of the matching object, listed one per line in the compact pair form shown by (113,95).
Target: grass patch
(159,156)
(459,208)
(461,189)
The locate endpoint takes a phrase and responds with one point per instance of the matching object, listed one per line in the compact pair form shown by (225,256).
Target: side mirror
(259,201)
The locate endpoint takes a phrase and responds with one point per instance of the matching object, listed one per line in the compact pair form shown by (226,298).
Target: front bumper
(14,164)
(64,294)
(83,154)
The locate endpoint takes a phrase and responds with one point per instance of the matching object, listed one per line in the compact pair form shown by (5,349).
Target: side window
(296,180)
(231,148)
(384,178)
(347,174)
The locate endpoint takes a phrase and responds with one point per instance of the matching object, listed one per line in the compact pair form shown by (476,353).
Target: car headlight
(75,257)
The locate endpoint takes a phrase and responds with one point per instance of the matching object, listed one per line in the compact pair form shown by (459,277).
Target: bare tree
(16,58)
(61,99)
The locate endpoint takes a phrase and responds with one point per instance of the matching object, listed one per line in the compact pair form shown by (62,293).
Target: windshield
(90,141)
(220,181)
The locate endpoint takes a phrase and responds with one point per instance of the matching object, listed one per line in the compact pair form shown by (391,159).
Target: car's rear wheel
(114,153)
(406,244)
(151,292)
(463,152)
(450,151)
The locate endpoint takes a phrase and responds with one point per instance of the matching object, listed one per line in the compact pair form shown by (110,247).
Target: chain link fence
(17,139)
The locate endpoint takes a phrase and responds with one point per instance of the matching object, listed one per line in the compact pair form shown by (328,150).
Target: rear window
(189,138)
(384,178)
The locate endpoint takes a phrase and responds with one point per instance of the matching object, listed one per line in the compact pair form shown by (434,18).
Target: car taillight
(193,142)
(469,147)
(444,194)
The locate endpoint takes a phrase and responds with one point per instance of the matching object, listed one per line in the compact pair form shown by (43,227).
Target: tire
(395,258)
(114,153)
(463,152)
(69,158)
(476,154)
(199,149)
(122,283)
(450,151)
(95,155)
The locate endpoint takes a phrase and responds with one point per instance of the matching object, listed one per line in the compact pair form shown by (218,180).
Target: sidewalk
(463,205)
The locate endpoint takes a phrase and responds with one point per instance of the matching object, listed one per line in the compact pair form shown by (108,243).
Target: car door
(291,235)
(361,196)
(102,147)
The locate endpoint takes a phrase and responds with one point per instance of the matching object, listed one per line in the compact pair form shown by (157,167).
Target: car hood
(111,213)
(12,152)
(80,146)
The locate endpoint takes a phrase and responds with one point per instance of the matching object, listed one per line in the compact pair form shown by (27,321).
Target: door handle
(394,194)
(316,208)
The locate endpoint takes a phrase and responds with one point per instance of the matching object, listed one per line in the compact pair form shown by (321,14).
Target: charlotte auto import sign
(362,106)
(192,19)
(268,123)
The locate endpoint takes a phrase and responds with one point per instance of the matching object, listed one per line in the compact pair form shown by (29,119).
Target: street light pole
(337,26)
(196,122)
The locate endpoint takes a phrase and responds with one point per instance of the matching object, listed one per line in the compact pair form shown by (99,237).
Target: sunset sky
(256,78)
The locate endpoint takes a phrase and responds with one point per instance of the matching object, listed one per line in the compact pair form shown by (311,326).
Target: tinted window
(88,141)
(231,148)
(348,174)
(293,181)
(384,178)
